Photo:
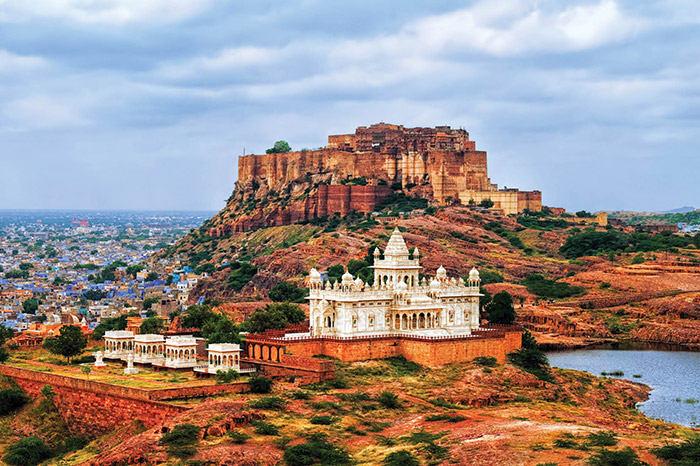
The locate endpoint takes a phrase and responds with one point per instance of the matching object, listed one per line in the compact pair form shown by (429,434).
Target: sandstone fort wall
(92,408)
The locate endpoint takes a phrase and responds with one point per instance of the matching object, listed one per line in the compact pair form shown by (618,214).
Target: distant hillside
(680,210)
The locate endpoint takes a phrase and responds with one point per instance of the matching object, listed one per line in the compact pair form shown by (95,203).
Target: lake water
(673,375)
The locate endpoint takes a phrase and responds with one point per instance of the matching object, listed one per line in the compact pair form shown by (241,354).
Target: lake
(674,375)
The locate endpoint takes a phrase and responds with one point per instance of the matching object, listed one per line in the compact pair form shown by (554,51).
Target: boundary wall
(495,342)
(93,408)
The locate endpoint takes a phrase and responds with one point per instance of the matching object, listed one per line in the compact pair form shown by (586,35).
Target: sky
(132,104)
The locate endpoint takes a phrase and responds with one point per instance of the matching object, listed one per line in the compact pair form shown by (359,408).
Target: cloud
(10,62)
(37,112)
(109,12)
(504,28)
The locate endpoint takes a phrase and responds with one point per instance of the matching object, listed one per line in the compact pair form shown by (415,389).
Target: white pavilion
(397,302)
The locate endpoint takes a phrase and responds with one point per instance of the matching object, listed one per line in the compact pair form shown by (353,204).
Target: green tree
(280,147)
(149,302)
(274,316)
(11,399)
(28,451)
(197,316)
(70,342)
(152,325)
(152,276)
(85,369)
(30,306)
(133,270)
(501,310)
(242,273)
(94,295)
(221,330)
(285,291)
(25,266)
(486,203)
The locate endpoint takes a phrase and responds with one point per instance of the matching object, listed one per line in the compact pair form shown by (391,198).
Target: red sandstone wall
(430,353)
(92,408)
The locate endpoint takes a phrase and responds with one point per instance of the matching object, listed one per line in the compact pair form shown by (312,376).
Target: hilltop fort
(356,172)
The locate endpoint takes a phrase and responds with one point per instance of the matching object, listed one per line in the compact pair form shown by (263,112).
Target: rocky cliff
(356,172)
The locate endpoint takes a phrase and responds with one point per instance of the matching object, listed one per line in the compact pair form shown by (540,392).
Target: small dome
(401,286)
(441,272)
(474,274)
(314,274)
(376,252)
(434,284)
(347,278)
(416,253)
(359,282)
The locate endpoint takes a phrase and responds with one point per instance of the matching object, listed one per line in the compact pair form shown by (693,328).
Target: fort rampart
(92,408)
(428,351)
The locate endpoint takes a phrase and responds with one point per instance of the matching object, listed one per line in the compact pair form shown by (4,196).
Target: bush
(638,259)
(265,428)
(546,288)
(260,384)
(682,454)
(489,276)
(238,437)
(601,439)
(389,400)
(448,417)
(267,402)
(401,458)
(285,291)
(485,361)
(316,450)
(71,444)
(300,395)
(403,366)
(181,440)
(226,376)
(28,451)
(242,273)
(501,310)
(626,457)
(11,399)
(322,420)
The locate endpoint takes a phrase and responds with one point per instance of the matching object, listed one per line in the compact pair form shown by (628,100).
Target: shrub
(400,458)
(501,310)
(403,366)
(626,457)
(322,420)
(316,450)
(267,402)
(265,428)
(28,451)
(260,384)
(181,440)
(448,417)
(601,439)
(604,285)
(238,437)
(300,395)
(638,259)
(546,288)
(490,276)
(682,454)
(11,399)
(226,376)
(285,291)
(389,400)
(485,361)
(71,444)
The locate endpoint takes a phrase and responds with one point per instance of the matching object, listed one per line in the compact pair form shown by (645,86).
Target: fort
(356,172)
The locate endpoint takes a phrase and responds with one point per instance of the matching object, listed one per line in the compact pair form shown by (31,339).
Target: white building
(118,344)
(181,352)
(149,349)
(397,302)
